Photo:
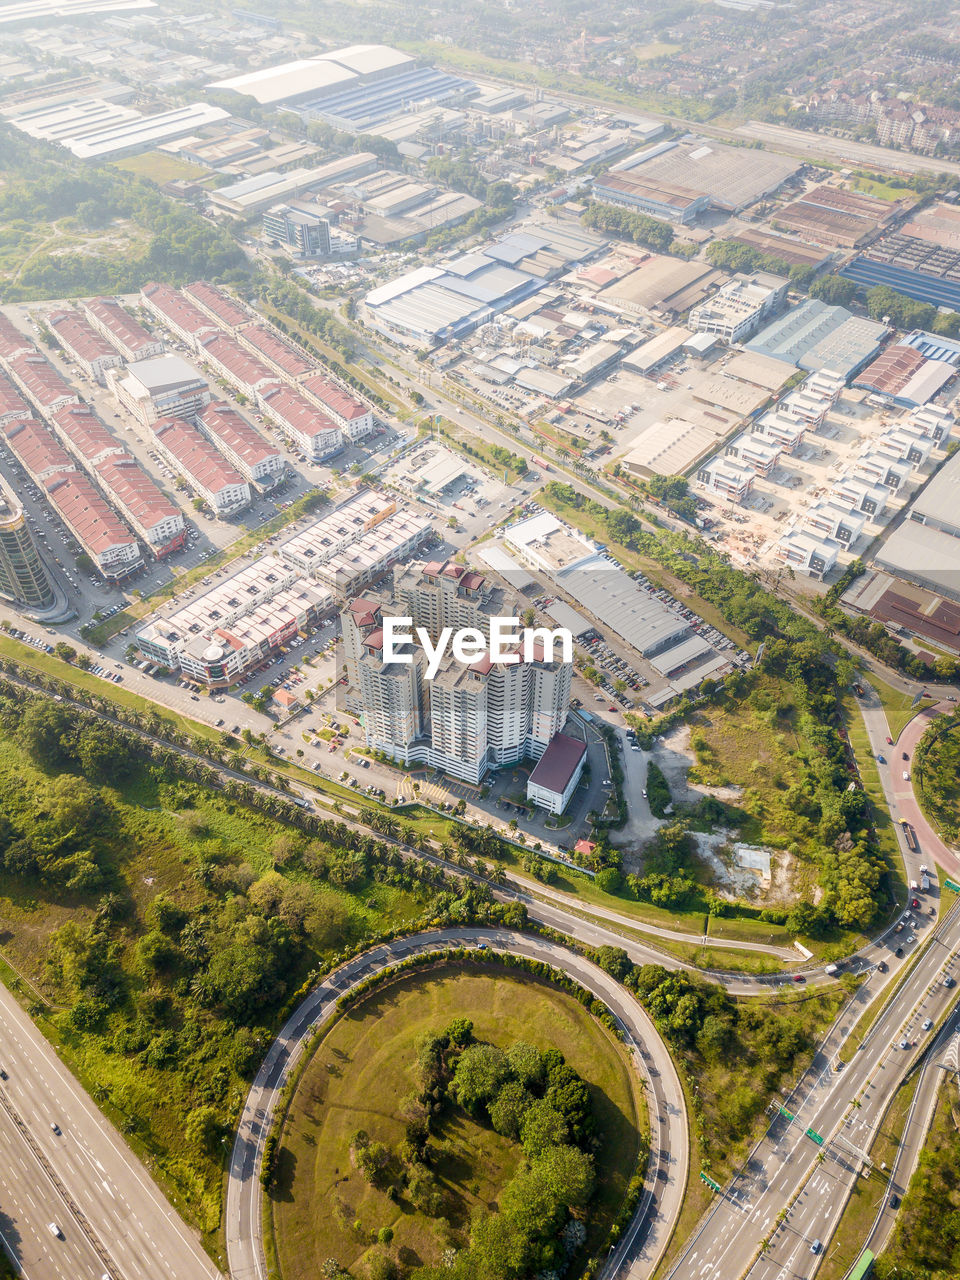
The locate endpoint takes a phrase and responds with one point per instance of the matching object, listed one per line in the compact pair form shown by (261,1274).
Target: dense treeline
(637,227)
(937,770)
(906,313)
(534,1098)
(181,244)
(746,1048)
(733,256)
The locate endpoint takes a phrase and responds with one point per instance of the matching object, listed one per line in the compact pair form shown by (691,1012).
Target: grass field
(658,49)
(456,58)
(926,1240)
(882,190)
(362,1069)
(160,168)
(898,707)
(31,660)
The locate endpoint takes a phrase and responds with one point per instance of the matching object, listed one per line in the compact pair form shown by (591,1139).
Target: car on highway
(894,1202)
(798,977)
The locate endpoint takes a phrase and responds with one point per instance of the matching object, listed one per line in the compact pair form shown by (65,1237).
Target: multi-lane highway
(82,1177)
(643,1243)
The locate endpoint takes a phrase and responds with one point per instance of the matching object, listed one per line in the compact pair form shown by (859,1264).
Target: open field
(898,706)
(160,168)
(363,1068)
(926,1240)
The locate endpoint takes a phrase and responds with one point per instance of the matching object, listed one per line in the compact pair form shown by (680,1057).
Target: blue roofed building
(816,336)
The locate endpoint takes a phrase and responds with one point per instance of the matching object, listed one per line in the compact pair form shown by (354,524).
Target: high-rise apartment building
(23,578)
(468,718)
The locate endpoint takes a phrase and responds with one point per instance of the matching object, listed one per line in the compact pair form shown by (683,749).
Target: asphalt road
(942,1057)
(791,1191)
(646,1238)
(115,1221)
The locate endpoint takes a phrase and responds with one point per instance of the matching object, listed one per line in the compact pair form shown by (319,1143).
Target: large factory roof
(733,177)
(287,80)
(817,336)
(308,77)
(918,552)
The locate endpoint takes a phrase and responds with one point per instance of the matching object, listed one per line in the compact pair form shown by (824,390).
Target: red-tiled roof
(79,337)
(42,382)
(892,370)
(12,340)
(38,448)
(129,333)
(297,412)
(196,455)
(558,763)
(234,432)
(227,310)
(338,401)
(89,437)
(94,521)
(176,308)
(11,401)
(136,492)
(273,348)
(245,369)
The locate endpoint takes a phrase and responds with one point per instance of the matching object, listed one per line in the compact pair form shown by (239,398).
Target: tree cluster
(536,1099)
(907,313)
(731,255)
(636,227)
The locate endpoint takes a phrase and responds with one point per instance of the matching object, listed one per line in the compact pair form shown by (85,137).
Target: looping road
(645,1239)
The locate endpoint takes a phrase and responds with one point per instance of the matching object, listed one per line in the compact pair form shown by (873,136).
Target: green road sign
(951,885)
(818,1139)
(710,1182)
(788,1114)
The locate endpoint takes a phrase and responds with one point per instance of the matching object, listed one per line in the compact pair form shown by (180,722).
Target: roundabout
(644,1238)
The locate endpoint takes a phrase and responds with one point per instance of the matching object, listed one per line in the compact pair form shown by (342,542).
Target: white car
(54,1230)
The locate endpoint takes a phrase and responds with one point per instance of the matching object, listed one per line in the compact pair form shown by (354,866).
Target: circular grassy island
(389,1160)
